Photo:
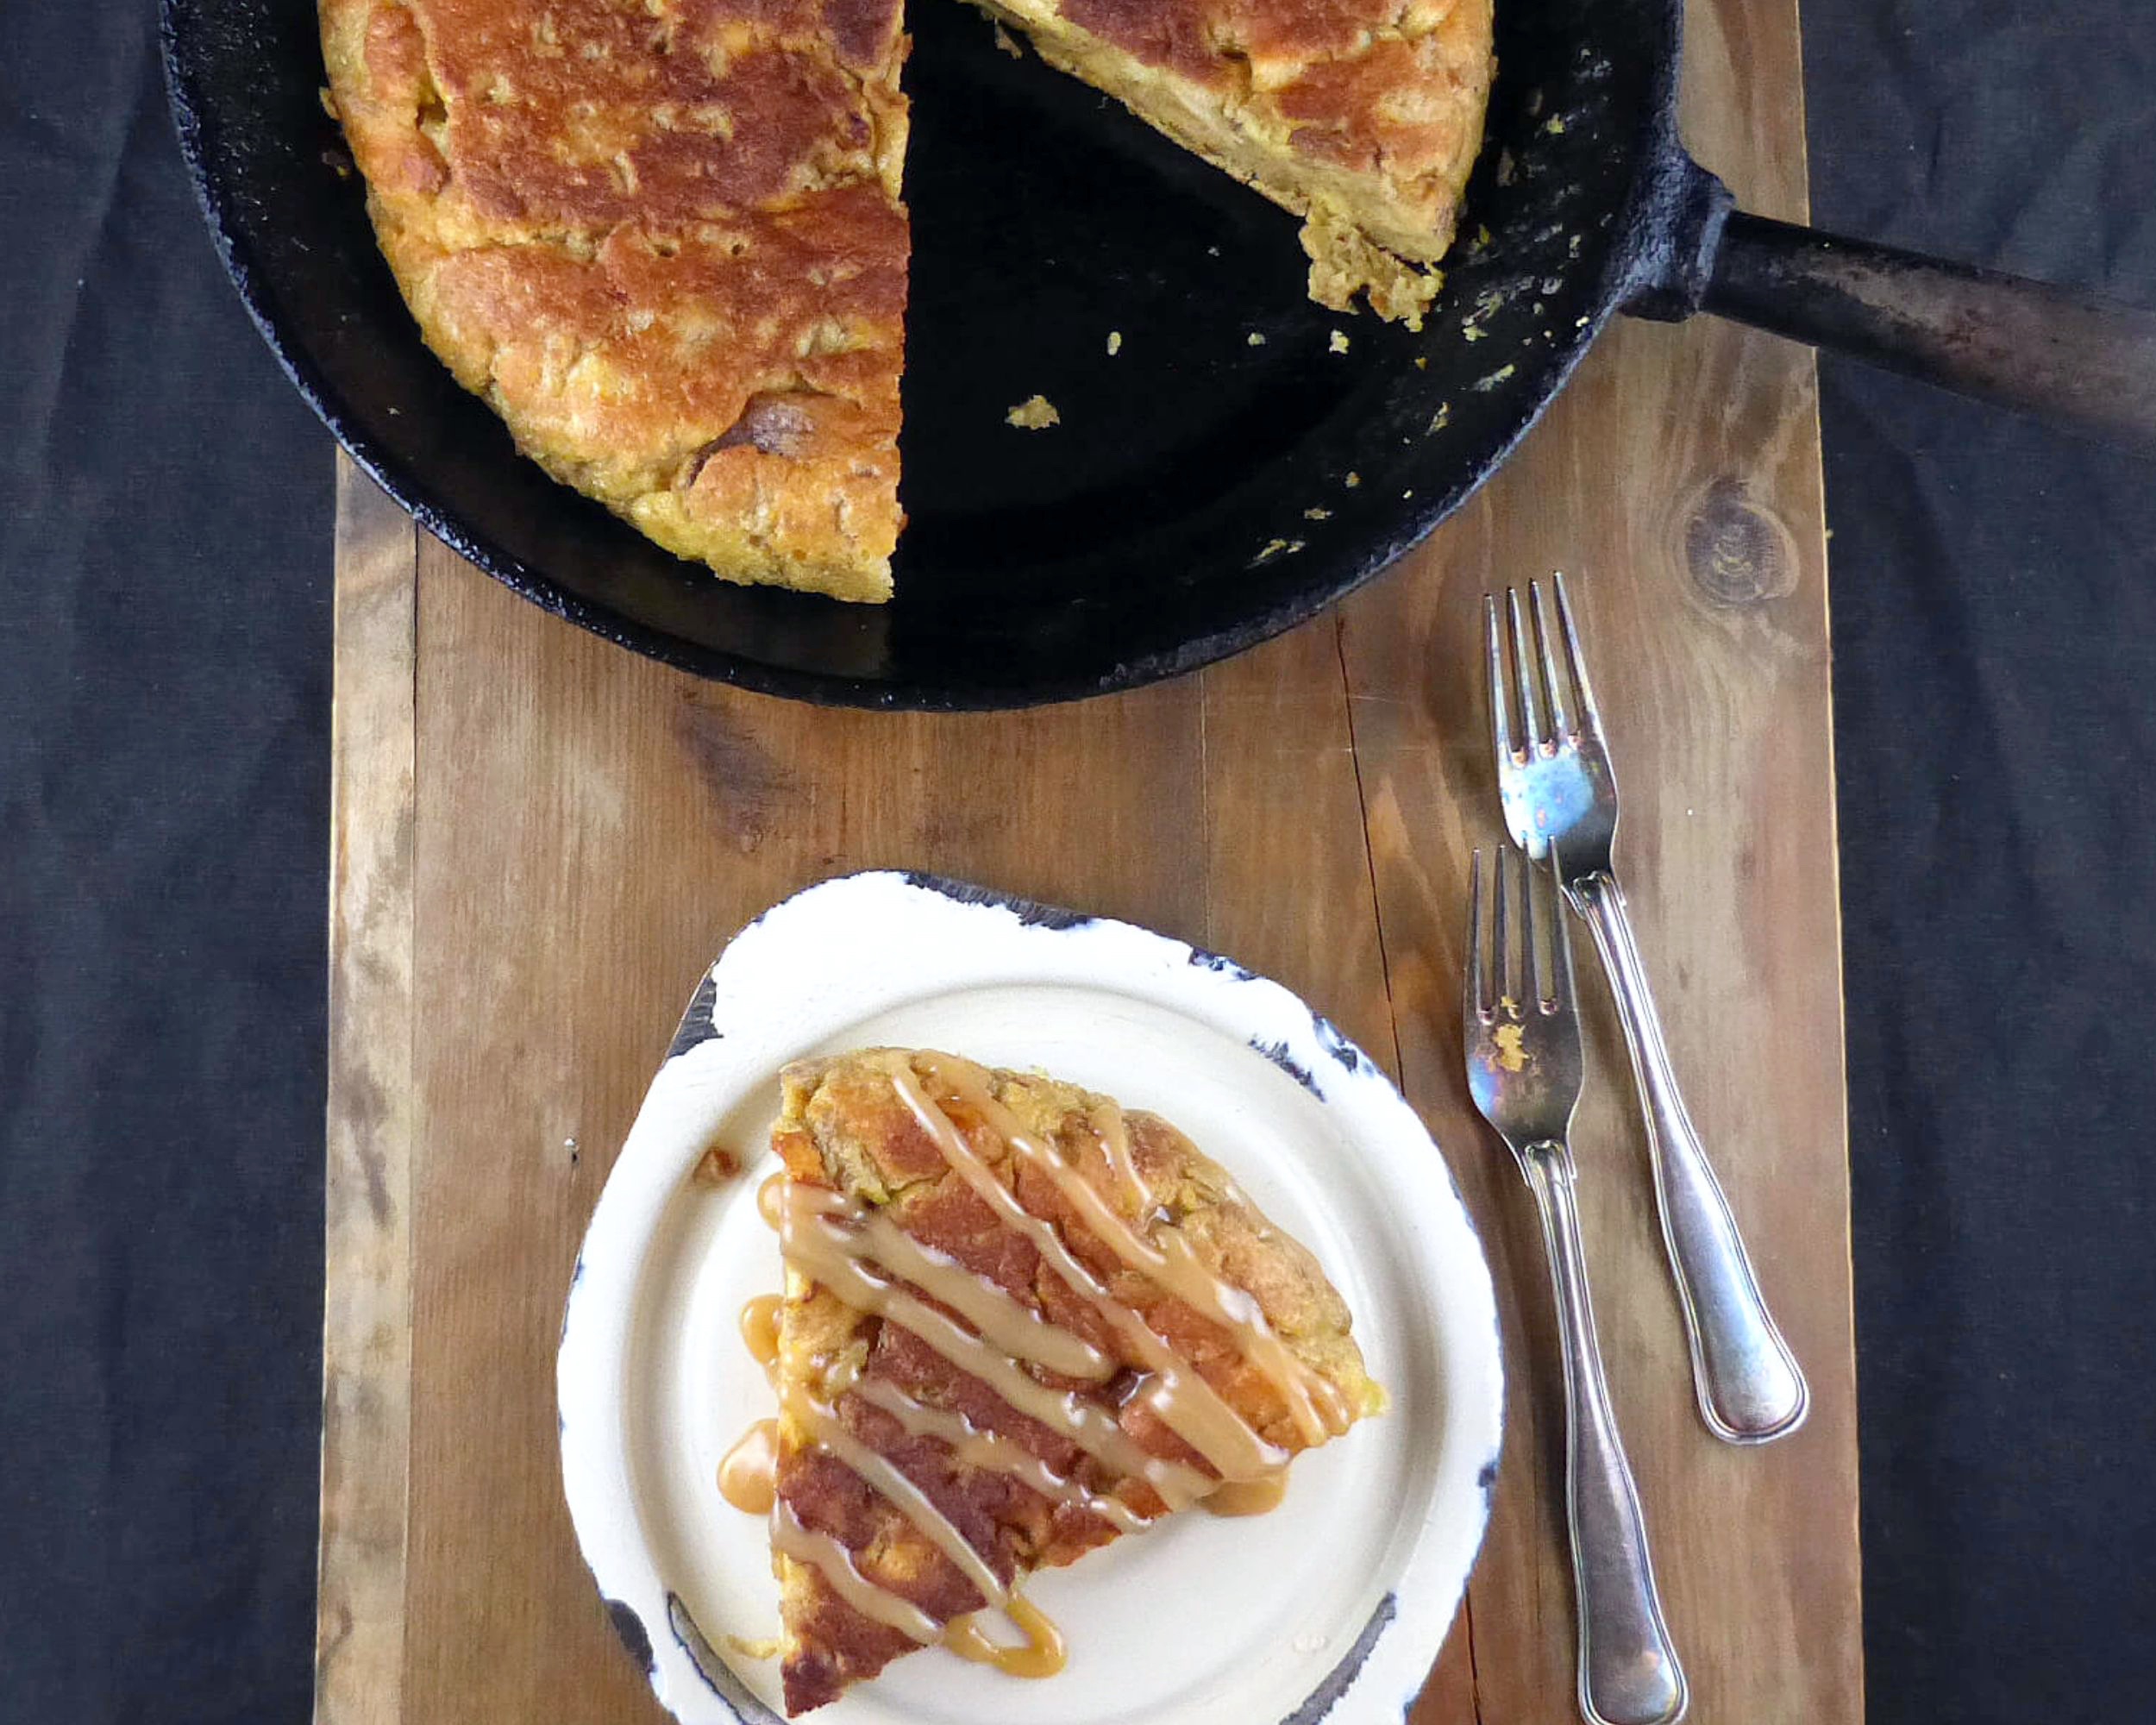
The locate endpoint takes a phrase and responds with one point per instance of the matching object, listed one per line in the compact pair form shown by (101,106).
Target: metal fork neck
(1581,890)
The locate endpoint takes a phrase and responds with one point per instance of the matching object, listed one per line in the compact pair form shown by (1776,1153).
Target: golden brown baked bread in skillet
(665,240)
(974,1179)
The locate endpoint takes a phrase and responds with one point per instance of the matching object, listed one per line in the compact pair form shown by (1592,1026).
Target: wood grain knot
(747,787)
(1738,553)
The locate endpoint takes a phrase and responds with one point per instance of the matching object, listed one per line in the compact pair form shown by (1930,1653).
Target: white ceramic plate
(1331,1607)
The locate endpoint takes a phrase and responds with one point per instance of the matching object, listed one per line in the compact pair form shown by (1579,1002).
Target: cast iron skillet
(1204,490)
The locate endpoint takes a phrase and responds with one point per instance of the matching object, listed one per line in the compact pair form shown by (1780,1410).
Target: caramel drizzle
(1108,1125)
(827,1254)
(1172,1267)
(1316,1404)
(978,1447)
(1190,1407)
(1249,1497)
(1041,1654)
(1019,1330)
(837,1566)
(823,1428)
(746,1468)
(747,1475)
(760,1327)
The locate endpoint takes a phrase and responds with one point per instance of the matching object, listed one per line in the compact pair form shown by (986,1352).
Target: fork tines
(1552,707)
(1539,949)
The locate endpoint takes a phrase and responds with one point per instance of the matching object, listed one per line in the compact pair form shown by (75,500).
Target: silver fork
(1524,1069)
(1560,795)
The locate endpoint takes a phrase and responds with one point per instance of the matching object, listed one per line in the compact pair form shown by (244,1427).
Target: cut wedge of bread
(1018,1323)
(1363,116)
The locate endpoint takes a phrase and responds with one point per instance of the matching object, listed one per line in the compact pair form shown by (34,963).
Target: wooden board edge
(367,1306)
(1854,1461)
(1797,207)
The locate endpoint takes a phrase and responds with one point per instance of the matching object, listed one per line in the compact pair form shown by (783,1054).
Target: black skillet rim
(410,490)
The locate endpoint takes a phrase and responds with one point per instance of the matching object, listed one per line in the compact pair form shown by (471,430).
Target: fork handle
(1628,1671)
(1750,1387)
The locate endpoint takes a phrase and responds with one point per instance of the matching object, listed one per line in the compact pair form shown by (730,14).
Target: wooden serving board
(541,841)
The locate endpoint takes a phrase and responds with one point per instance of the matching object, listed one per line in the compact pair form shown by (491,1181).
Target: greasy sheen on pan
(1363,116)
(665,242)
(1019,1322)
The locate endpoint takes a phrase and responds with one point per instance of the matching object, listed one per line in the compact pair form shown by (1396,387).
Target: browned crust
(842,1125)
(665,242)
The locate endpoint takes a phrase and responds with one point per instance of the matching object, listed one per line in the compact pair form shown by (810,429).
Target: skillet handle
(2086,364)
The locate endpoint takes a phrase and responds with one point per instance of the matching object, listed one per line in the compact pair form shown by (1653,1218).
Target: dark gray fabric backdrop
(164,708)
